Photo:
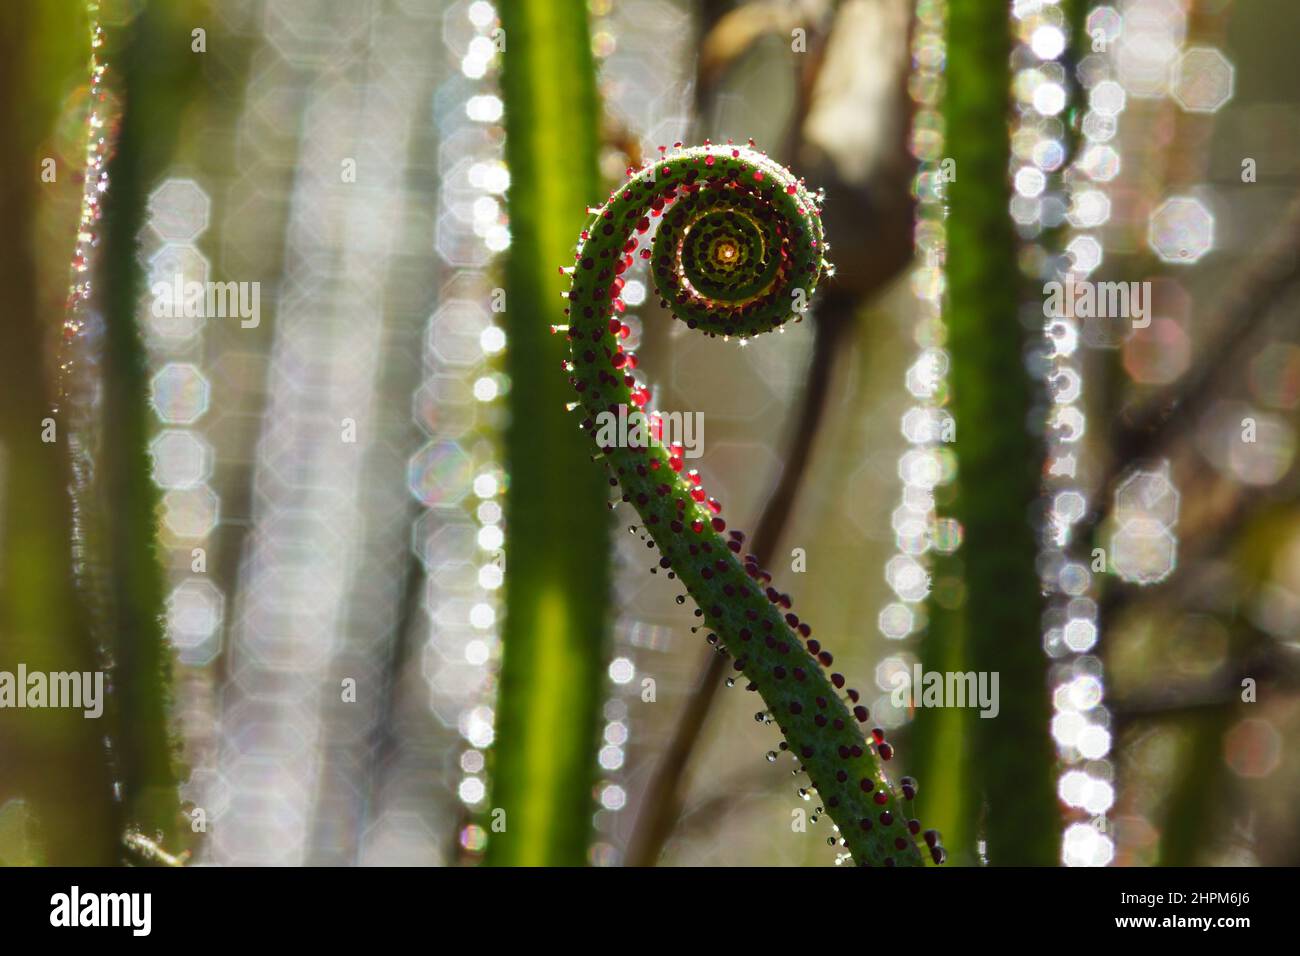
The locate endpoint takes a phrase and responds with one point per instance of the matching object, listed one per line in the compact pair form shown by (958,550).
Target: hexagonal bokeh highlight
(1143,551)
(1085,254)
(1104,23)
(194,612)
(179,393)
(170,268)
(181,459)
(1148,495)
(1203,80)
(440,473)
(179,210)
(454,332)
(1181,230)
(443,405)
(190,512)
(177,259)
(1264,455)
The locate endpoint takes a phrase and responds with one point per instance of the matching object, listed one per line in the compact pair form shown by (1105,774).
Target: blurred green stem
(155,70)
(999,463)
(54,758)
(1200,770)
(557,585)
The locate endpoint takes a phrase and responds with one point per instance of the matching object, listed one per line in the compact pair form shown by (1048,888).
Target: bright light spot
(1080,635)
(486,209)
(1086,253)
(907,577)
(1084,692)
(1143,551)
(1066,728)
(481,48)
(490,177)
(485,389)
(634,292)
(484,108)
(490,577)
(471,790)
(485,486)
(497,237)
(481,13)
(616,733)
(621,670)
(1049,98)
(476,726)
(492,339)
(1107,98)
(471,761)
(896,621)
(1100,797)
(1030,181)
(1101,163)
(611,757)
(1073,787)
(482,616)
(1048,42)
(1181,230)
(1091,208)
(1048,154)
(1093,742)
(1084,846)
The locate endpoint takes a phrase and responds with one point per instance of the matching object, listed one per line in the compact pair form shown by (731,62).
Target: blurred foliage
(53,758)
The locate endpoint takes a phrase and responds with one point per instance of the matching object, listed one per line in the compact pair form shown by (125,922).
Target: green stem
(53,758)
(156,70)
(998,462)
(556,598)
(1200,770)
(738,251)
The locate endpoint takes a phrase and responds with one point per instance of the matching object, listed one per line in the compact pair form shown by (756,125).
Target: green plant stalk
(556,597)
(1200,770)
(156,70)
(998,462)
(738,251)
(940,739)
(53,758)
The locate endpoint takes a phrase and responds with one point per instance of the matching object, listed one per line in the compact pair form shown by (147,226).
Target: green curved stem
(747,237)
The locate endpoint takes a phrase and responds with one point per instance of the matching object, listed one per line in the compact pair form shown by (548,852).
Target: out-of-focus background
(306,502)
